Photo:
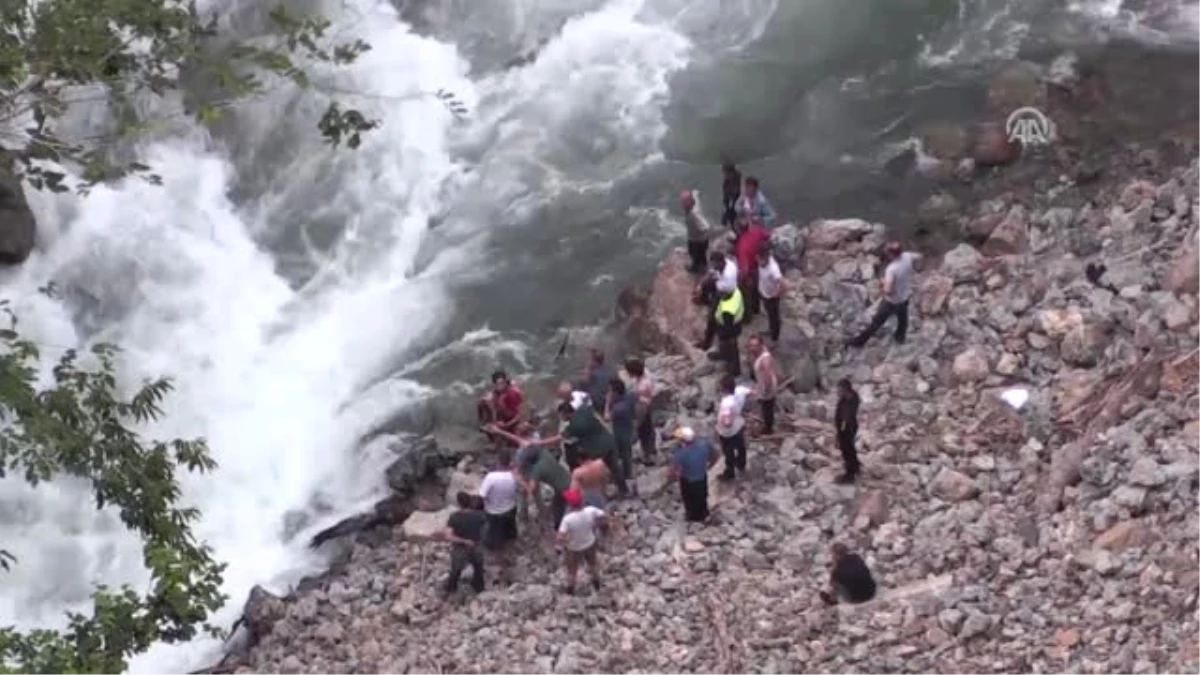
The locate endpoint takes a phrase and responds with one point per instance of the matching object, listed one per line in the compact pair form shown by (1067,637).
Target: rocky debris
(18,228)
(1051,537)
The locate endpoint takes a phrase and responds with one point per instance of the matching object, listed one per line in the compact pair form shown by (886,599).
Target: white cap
(686,434)
(579,398)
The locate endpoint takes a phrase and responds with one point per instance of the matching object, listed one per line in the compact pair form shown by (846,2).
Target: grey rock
(1146,473)
(18,228)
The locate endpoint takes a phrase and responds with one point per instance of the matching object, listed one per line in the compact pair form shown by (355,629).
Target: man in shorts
(577,534)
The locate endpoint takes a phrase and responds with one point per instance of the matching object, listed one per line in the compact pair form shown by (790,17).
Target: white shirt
(770,279)
(901,272)
(729,414)
(499,492)
(728,279)
(580,528)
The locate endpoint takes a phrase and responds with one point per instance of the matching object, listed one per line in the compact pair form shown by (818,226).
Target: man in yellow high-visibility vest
(729,314)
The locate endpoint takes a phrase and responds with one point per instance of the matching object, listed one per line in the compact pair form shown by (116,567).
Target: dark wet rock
(18,228)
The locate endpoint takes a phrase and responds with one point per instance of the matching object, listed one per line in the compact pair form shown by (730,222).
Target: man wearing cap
(693,458)
(577,535)
(698,232)
(897,289)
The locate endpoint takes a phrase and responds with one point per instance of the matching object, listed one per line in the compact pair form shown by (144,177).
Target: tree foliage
(80,425)
(56,54)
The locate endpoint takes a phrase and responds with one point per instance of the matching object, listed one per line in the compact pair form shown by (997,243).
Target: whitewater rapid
(273,375)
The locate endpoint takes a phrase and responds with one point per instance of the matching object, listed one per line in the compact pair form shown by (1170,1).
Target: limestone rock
(952,486)
(971,365)
(831,234)
(1010,237)
(1184,273)
(935,289)
(1123,535)
(963,264)
(1084,345)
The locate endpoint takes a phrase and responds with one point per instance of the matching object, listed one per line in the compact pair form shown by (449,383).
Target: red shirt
(747,247)
(508,403)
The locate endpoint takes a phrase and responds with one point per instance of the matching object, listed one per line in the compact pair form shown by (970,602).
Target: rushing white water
(265,372)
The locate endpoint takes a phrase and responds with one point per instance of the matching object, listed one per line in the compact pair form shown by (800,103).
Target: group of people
(603,415)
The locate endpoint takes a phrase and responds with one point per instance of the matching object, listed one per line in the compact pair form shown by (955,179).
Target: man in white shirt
(766,382)
(731,426)
(499,493)
(577,535)
(897,289)
(722,279)
(771,287)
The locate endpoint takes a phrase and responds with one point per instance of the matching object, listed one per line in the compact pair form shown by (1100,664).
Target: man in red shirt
(504,406)
(751,234)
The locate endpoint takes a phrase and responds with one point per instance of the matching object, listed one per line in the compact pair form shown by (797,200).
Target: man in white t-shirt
(771,287)
(499,493)
(577,535)
(731,426)
(722,278)
(897,290)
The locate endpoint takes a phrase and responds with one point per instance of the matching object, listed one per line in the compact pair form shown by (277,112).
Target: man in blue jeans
(693,458)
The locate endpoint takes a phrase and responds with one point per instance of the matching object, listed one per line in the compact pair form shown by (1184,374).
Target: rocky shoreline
(1058,537)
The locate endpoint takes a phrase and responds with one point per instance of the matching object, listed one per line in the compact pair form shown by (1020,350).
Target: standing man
(731,426)
(577,534)
(722,277)
(771,287)
(897,289)
(693,458)
(622,408)
(731,190)
(643,387)
(751,236)
(846,420)
(753,204)
(728,316)
(766,381)
(464,530)
(597,374)
(499,493)
(698,232)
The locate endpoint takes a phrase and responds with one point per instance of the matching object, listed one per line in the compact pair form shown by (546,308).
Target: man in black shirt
(849,578)
(464,531)
(846,421)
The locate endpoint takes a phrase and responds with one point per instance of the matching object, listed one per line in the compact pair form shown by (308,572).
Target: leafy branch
(82,426)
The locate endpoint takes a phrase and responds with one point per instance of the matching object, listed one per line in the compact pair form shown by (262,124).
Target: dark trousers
(571,455)
(771,305)
(558,508)
(846,439)
(768,415)
(501,529)
(625,457)
(749,290)
(618,475)
(462,555)
(695,499)
(734,449)
(698,252)
(727,351)
(886,311)
(647,437)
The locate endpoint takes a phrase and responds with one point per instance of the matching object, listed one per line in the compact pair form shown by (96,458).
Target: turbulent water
(300,295)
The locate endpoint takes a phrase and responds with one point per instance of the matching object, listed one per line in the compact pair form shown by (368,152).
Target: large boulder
(1010,236)
(1184,273)
(832,234)
(787,245)
(992,147)
(262,610)
(666,318)
(1083,346)
(963,264)
(18,229)
(417,458)
(971,365)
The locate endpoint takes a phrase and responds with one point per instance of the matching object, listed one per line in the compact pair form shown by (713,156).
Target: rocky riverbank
(1060,536)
